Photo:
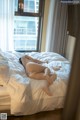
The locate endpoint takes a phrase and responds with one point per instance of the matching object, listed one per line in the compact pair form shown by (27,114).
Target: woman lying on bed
(34,69)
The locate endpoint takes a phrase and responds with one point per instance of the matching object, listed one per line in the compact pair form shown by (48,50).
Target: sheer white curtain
(56,37)
(6,24)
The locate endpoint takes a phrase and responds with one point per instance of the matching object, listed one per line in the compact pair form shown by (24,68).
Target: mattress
(24,96)
(4,99)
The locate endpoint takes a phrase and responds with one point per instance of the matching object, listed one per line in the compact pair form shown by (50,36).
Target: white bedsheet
(26,95)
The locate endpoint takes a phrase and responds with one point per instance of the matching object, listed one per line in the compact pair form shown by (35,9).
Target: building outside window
(27,24)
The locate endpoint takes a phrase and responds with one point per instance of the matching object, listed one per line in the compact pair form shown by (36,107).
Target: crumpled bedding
(26,94)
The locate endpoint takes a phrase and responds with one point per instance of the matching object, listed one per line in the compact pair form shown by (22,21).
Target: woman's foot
(51,78)
(47,71)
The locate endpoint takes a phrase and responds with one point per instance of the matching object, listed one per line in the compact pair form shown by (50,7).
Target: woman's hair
(20,60)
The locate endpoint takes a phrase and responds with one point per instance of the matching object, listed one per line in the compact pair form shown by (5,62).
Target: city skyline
(26,28)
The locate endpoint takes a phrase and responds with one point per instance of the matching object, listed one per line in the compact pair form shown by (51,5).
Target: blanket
(26,95)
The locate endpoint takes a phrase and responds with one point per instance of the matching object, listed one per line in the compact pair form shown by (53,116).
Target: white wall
(70,48)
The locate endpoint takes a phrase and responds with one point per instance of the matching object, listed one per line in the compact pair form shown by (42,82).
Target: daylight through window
(28,24)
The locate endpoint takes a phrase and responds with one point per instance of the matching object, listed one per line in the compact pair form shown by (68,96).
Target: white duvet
(26,94)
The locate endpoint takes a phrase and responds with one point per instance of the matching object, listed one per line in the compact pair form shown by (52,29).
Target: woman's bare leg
(47,71)
(46,89)
(38,76)
(42,76)
(46,84)
(52,78)
(32,67)
(33,60)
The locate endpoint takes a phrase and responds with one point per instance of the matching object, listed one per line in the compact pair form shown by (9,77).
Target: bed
(22,95)
(4,99)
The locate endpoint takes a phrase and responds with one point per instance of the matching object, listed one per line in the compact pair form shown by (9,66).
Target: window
(29,6)
(28,24)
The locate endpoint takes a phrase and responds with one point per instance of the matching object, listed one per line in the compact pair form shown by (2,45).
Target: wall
(46,11)
(71,29)
(70,47)
(73,18)
(73,21)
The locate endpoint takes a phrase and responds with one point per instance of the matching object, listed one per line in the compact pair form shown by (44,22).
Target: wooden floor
(50,115)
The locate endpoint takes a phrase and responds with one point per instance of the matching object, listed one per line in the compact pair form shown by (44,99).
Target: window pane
(16,5)
(31,6)
(25,33)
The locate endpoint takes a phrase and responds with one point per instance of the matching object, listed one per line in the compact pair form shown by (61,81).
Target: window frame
(40,15)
